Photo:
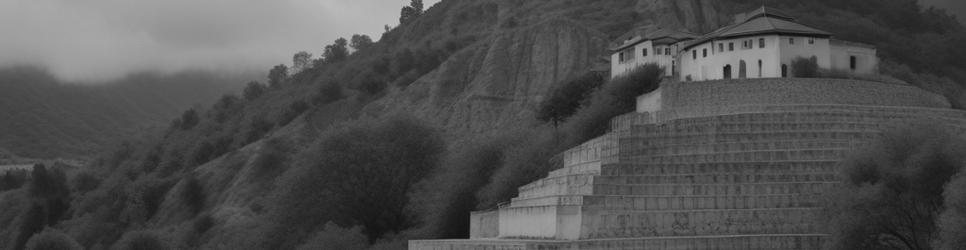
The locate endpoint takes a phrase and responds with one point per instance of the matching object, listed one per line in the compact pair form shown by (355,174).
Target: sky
(101,40)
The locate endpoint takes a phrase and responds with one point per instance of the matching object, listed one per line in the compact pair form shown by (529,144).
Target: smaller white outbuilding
(760,44)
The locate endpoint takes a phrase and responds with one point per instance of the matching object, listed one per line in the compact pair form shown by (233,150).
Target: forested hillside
(401,138)
(45,118)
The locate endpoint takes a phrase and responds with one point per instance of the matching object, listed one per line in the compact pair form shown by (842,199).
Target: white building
(761,44)
(649,45)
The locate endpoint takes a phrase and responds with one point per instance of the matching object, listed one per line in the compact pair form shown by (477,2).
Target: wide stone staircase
(746,177)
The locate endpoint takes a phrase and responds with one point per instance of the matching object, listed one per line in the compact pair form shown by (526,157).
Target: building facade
(761,44)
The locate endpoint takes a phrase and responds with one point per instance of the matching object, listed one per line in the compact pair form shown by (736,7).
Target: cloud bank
(97,40)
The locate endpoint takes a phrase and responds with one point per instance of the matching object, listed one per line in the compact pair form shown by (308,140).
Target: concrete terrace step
(639,146)
(720,167)
(624,223)
(760,155)
(640,202)
(722,178)
(678,189)
(720,242)
(757,136)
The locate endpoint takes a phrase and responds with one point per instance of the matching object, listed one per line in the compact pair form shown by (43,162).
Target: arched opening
(727,71)
(759,69)
(742,70)
(784,70)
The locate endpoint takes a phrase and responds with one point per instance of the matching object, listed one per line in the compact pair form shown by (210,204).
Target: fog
(100,40)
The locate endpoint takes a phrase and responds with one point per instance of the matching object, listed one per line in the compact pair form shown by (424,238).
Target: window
(720,47)
(694,54)
(667,51)
(731,46)
(643,52)
(761,42)
(852,62)
(704,53)
(791,40)
(811,41)
(620,57)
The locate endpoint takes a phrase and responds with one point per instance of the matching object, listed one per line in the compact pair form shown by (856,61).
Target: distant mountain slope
(41,117)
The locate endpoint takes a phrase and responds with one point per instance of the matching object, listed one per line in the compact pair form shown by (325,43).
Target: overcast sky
(94,40)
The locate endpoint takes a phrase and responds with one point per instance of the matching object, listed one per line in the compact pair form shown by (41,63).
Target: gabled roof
(762,21)
(657,35)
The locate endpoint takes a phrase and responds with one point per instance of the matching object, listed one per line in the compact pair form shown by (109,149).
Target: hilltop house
(760,44)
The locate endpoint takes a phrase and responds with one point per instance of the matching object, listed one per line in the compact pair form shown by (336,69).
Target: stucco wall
(484,224)
(866,60)
(791,91)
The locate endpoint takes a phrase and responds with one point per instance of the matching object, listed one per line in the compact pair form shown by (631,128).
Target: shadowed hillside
(44,118)
(464,78)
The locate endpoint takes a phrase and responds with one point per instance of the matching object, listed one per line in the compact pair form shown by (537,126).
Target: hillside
(45,118)
(433,121)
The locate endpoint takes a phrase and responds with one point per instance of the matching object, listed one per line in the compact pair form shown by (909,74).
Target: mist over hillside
(46,118)
(399,139)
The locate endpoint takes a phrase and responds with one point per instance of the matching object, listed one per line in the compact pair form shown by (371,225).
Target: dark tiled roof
(659,36)
(762,21)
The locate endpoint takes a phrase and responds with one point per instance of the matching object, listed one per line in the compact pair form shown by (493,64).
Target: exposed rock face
(500,80)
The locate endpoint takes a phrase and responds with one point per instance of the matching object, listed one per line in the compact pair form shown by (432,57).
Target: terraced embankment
(708,165)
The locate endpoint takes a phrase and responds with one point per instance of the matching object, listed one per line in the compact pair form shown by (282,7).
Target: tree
(337,51)
(564,100)
(360,42)
(301,61)
(408,13)
(253,90)
(892,191)
(277,75)
(359,173)
(189,119)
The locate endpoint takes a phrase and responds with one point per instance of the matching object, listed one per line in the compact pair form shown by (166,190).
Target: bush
(565,99)
(333,237)
(257,129)
(85,181)
(253,90)
(443,202)
(805,67)
(328,93)
(294,110)
(193,194)
(892,190)
(617,97)
(140,240)
(51,239)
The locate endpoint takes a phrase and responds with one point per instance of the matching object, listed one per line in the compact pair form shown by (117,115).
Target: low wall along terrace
(738,164)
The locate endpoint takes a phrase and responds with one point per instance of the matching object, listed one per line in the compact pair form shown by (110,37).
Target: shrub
(193,194)
(565,99)
(294,110)
(85,181)
(805,67)
(892,190)
(328,93)
(188,119)
(33,220)
(257,129)
(253,90)
(51,239)
(333,237)
(140,240)
(525,162)
(617,97)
